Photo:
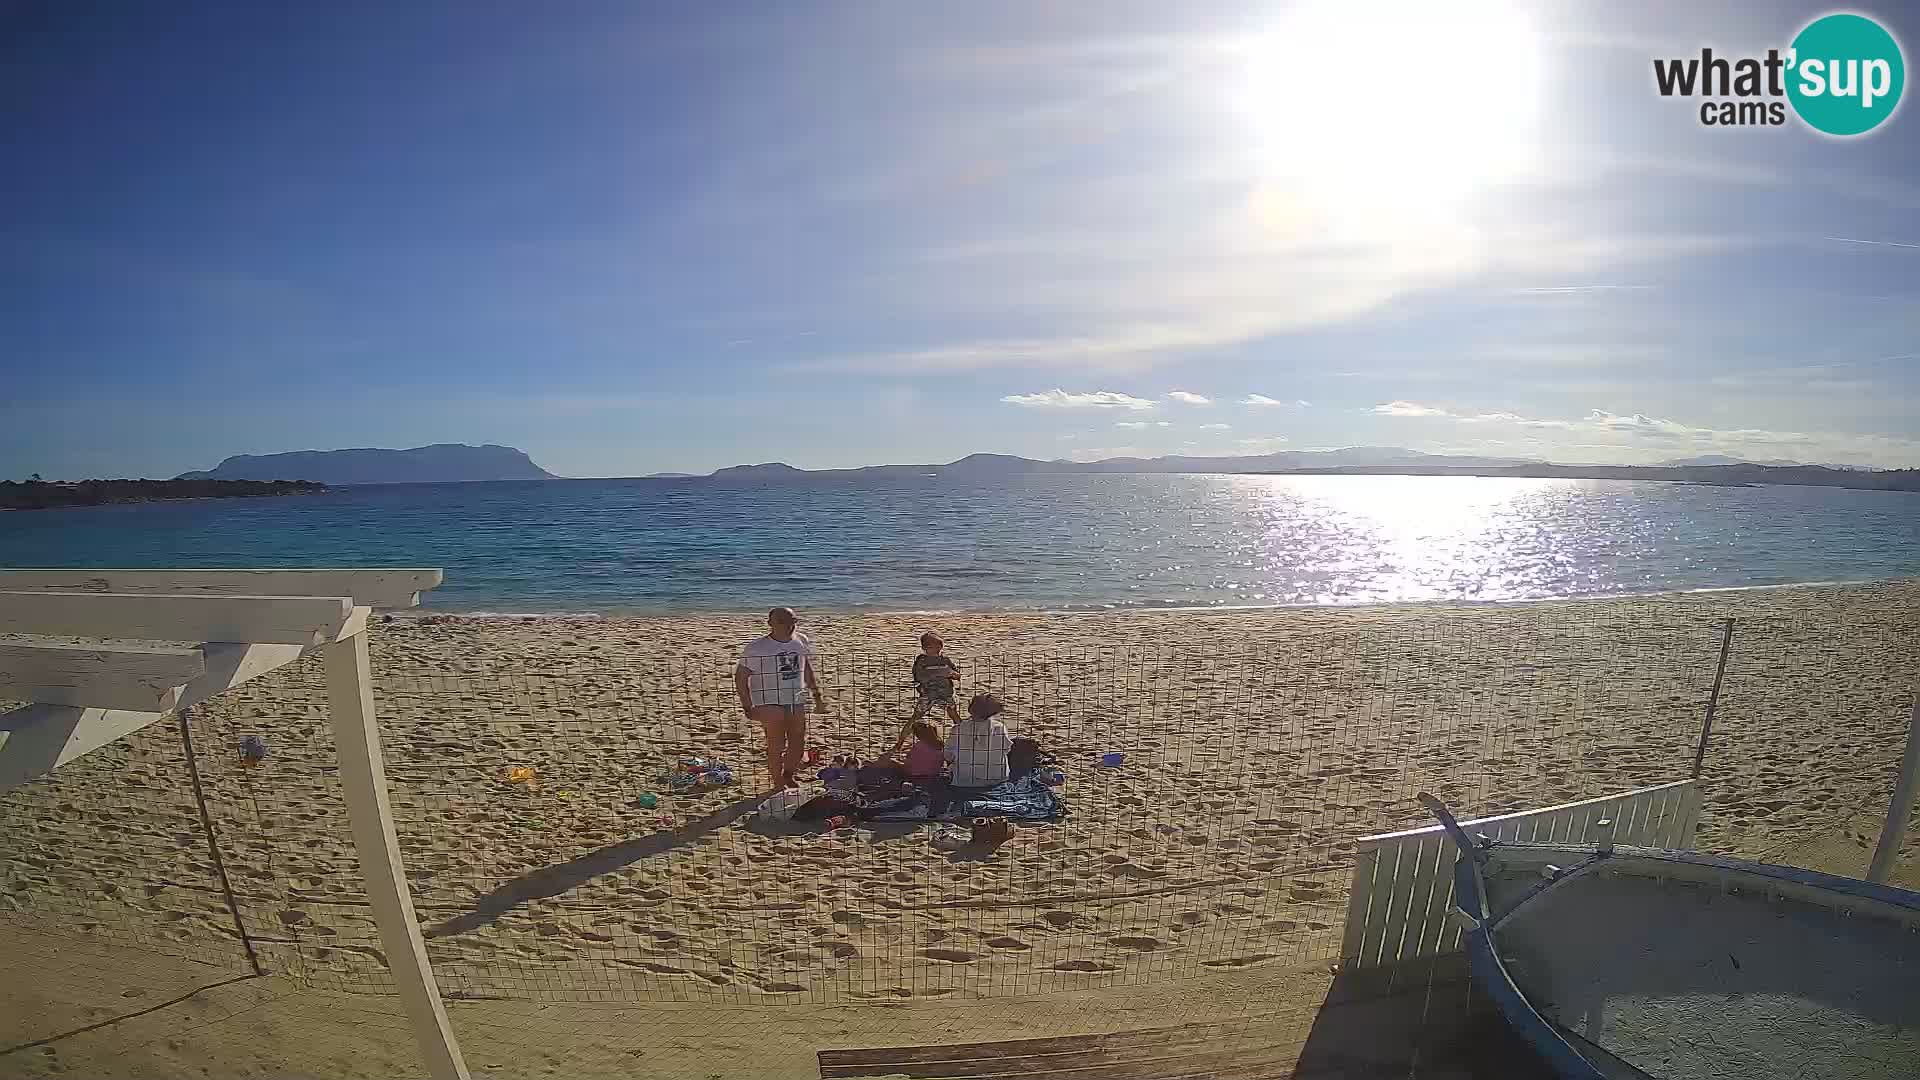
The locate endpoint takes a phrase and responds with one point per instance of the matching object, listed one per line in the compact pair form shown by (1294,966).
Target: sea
(1060,542)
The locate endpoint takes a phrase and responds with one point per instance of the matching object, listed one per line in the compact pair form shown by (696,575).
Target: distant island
(1361,460)
(440,463)
(44,495)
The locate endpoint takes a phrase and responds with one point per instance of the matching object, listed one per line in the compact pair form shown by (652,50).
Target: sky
(631,238)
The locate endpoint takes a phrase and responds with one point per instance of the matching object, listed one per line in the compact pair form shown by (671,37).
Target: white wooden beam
(383,588)
(54,658)
(290,620)
(356,737)
(36,739)
(97,692)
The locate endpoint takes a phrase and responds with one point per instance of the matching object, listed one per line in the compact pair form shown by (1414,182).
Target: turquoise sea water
(1048,542)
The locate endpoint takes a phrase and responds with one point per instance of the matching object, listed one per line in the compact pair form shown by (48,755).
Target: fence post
(1713,699)
(356,735)
(1895,830)
(213,842)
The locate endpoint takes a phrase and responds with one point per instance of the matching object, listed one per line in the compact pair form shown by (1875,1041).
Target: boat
(1627,962)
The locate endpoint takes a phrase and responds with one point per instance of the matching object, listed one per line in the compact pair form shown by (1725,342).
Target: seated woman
(979,745)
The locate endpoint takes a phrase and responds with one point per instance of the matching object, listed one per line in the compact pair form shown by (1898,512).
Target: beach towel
(1022,798)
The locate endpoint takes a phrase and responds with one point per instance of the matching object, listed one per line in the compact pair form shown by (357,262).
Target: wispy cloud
(1571,290)
(1873,243)
(1185,398)
(1407,408)
(1262,401)
(1138,424)
(1216,427)
(1262,444)
(1640,435)
(1096,399)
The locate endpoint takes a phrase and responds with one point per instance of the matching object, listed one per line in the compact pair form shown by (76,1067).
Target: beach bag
(1025,756)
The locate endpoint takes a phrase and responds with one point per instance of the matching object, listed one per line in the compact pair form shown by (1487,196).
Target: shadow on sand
(554,880)
(1417,1021)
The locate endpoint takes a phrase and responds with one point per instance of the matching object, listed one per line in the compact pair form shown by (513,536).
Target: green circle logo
(1846,74)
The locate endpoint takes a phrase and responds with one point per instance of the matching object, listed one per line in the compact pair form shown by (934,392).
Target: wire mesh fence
(550,862)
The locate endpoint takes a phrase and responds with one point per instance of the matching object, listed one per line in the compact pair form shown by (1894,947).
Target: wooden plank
(99,692)
(1079,1058)
(1482,824)
(1056,1044)
(1433,936)
(1689,828)
(1385,874)
(292,620)
(36,739)
(138,676)
(58,662)
(356,735)
(1357,897)
(378,588)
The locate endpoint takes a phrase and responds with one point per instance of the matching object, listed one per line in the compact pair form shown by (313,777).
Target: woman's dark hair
(927,733)
(984,707)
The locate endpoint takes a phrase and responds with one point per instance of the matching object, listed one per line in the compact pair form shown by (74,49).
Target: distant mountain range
(1360,460)
(988,465)
(436,464)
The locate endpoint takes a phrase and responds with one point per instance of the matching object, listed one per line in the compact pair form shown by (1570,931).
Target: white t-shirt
(978,750)
(776,670)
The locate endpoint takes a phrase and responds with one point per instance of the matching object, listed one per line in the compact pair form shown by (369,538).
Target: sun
(1407,107)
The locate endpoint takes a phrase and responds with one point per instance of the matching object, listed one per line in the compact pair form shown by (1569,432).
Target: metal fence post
(1713,699)
(213,843)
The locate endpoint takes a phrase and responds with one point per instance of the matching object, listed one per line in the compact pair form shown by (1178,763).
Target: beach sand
(1259,746)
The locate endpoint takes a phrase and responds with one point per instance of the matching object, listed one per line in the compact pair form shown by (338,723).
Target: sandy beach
(1259,746)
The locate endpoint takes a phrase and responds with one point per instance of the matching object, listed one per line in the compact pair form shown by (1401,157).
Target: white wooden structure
(98,654)
(1403,881)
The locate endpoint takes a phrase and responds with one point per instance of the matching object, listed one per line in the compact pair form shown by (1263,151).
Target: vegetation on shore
(37,494)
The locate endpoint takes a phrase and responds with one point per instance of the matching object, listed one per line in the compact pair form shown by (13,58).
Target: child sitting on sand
(934,675)
(927,758)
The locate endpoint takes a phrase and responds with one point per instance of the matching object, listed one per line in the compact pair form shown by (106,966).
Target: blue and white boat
(1623,962)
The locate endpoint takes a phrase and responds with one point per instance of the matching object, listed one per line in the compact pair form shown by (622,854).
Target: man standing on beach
(776,684)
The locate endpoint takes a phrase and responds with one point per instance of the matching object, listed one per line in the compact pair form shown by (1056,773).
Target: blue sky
(631,240)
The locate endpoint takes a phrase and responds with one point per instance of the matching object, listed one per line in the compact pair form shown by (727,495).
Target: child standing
(934,675)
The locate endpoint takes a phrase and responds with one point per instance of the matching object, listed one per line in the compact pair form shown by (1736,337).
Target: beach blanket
(1022,798)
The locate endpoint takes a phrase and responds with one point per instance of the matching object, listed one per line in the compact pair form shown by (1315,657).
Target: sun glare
(1413,109)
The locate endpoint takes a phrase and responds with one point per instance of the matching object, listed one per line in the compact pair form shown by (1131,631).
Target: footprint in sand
(1138,944)
(949,956)
(1083,965)
(1059,920)
(1012,943)
(1240,961)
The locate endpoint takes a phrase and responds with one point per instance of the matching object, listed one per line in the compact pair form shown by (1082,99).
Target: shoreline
(423,613)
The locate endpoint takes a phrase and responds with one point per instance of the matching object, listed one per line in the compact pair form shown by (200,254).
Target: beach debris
(1053,777)
(253,750)
(1113,759)
(665,821)
(564,794)
(839,821)
(692,773)
(526,776)
(647,801)
(951,838)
